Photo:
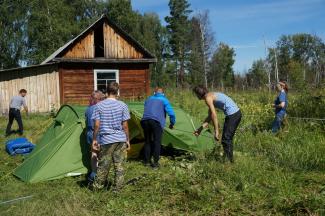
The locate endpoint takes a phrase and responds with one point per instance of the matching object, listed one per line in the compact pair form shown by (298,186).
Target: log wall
(41,83)
(115,46)
(83,49)
(77,83)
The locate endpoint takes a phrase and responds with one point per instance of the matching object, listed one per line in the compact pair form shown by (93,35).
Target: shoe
(146,164)
(155,166)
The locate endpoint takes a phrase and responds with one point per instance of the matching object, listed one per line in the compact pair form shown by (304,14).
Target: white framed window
(103,77)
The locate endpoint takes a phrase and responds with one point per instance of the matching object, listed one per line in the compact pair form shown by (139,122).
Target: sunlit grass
(281,174)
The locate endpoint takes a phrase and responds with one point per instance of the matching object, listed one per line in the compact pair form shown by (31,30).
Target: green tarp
(63,151)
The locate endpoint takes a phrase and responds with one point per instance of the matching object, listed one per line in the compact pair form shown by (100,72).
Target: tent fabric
(62,151)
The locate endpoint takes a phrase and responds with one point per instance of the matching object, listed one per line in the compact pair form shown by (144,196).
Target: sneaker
(146,164)
(155,166)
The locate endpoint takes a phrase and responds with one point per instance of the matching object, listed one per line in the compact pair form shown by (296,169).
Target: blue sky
(242,24)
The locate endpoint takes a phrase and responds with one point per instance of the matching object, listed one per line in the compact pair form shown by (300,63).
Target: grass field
(281,174)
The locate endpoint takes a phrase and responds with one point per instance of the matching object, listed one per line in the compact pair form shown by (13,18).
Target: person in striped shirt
(111,123)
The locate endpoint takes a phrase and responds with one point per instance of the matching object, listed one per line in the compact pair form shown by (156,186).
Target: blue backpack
(19,146)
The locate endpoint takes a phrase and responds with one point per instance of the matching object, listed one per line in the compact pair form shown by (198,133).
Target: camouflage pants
(111,154)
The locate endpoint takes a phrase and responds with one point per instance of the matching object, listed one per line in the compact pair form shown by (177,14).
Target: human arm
(170,111)
(212,115)
(95,146)
(25,106)
(281,100)
(125,126)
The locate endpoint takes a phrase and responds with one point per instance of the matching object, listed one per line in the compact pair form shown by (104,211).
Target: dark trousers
(229,129)
(14,114)
(152,135)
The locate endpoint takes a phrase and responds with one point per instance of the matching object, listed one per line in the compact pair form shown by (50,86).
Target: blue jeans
(277,121)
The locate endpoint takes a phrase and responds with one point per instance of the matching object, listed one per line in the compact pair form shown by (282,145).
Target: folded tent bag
(19,146)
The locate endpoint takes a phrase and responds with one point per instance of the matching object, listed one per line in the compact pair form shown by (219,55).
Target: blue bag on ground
(19,146)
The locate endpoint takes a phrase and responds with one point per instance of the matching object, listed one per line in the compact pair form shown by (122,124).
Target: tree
(12,32)
(154,39)
(295,69)
(178,28)
(303,49)
(53,23)
(257,75)
(222,73)
(202,44)
(121,12)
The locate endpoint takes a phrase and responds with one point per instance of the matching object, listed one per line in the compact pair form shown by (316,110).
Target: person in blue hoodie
(153,123)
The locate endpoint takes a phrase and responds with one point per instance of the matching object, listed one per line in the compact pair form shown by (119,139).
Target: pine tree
(178,28)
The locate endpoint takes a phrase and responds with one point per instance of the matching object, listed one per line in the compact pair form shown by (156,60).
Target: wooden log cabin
(102,53)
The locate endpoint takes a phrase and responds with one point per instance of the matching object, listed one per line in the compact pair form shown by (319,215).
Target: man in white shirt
(16,103)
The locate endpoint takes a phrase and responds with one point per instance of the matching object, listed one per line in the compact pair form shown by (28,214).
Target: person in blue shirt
(280,105)
(153,123)
(95,97)
(233,117)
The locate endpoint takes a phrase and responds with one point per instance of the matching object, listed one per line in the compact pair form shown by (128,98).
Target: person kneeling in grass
(111,123)
(233,117)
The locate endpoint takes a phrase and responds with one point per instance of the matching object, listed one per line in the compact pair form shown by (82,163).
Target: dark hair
(200,91)
(284,85)
(112,88)
(22,91)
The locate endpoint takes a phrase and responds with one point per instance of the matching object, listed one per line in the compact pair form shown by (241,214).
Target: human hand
(198,131)
(128,146)
(95,147)
(216,135)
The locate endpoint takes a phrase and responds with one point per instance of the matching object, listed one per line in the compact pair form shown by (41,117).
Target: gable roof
(55,55)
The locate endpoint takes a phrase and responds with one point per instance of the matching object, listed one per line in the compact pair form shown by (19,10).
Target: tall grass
(281,174)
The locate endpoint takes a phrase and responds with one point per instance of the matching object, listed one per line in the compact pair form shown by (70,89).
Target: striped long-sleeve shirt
(111,113)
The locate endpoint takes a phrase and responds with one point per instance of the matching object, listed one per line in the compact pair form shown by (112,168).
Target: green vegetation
(280,174)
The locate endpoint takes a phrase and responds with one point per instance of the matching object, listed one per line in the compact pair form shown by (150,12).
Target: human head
(159,90)
(200,91)
(23,92)
(95,97)
(282,85)
(112,88)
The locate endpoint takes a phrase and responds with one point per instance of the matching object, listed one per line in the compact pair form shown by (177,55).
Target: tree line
(186,50)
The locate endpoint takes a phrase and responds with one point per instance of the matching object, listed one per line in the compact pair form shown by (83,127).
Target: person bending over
(233,117)
(153,123)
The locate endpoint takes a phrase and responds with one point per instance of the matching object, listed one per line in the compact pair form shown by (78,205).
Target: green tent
(63,151)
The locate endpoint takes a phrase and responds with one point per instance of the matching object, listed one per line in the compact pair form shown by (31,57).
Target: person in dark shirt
(280,105)
(153,123)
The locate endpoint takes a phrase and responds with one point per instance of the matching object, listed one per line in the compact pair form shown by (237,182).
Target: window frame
(96,71)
